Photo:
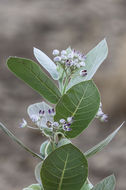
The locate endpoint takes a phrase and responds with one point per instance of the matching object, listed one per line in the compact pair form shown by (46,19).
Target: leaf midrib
(61,179)
(42,82)
(80,101)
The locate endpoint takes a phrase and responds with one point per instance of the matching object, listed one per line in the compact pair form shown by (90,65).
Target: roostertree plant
(71,105)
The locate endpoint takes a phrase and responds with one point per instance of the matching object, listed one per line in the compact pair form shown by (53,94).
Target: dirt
(47,25)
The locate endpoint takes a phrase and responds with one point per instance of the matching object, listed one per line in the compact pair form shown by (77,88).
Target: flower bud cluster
(100,115)
(70,59)
(62,124)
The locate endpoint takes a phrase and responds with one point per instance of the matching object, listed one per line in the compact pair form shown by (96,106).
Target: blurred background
(57,24)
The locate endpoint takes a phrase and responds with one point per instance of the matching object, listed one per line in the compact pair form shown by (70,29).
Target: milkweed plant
(72,102)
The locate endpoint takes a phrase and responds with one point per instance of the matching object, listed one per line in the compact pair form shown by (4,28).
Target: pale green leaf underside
(102,144)
(37,172)
(81,102)
(64,169)
(106,184)
(34,187)
(19,142)
(87,186)
(32,74)
(46,62)
(93,60)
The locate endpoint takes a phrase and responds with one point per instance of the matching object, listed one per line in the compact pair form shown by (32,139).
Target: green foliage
(107,184)
(37,172)
(43,147)
(102,144)
(81,102)
(34,187)
(64,169)
(93,60)
(63,166)
(32,74)
(87,186)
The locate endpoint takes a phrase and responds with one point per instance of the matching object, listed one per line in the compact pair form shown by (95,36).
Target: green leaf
(87,186)
(19,142)
(37,172)
(49,148)
(81,102)
(93,60)
(46,62)
(107,184)
(102,144)
(42,148)
(34,187)
(64,169)
(32,74)
(63,142)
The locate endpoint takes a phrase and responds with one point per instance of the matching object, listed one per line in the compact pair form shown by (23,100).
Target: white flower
(55,124)
(82,63)
(62,121)
(57,59)
(55,52)
(23,124)
(63,52)
(83,73)
(104,118)
(70,119)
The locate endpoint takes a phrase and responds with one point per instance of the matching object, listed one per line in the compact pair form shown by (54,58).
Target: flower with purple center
(83,73)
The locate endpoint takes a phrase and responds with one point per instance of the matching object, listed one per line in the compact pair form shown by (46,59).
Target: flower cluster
(41,121)
(100,115)
(70,59)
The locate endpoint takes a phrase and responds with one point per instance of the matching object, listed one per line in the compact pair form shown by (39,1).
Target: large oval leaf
(64,169)
(81,102)
(46,62)
(32,74)
(93,61)
(106,184)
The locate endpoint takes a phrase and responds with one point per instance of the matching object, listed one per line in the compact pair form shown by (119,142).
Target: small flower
(66,128)
(57,59)
(62,121)
(104,118)
(23,124)
(82,63)
(83,73)
(63,52)
(55,124)
(34,118)
(70,119)
(55,52)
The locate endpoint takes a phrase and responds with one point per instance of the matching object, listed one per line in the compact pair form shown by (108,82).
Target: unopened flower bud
(55,52)
(23,124)
(57,59)
(55,124)
(83,73)
(62,121)
(82,63)
(70,119)
(63,52)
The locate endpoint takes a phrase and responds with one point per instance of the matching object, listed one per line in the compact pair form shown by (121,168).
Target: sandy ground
(58,24)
